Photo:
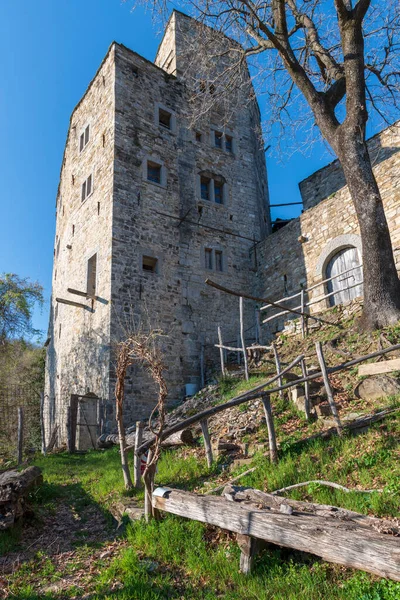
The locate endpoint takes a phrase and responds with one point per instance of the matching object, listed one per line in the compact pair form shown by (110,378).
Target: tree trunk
(381,282)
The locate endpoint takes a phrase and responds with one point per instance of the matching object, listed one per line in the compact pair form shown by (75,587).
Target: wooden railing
(302,307)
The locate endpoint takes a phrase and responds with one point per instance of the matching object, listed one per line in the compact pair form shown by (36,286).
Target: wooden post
(148,492)
(221,351)
(20,434)
(202,369)
(303,323)
(207,442)
(273,450)
(306,390)
(136,459)
(72,423)
(42,428)
(278,368)
(243,343)
(239,354)
(328,388)
(247,552)
(257,326)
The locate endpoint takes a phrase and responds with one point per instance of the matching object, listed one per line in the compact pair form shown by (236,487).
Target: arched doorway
(347,278)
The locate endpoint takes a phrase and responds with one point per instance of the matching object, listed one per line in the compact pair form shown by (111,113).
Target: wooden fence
(303,294)
(20,422)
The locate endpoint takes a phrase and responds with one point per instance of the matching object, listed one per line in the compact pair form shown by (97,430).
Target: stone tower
(148,207)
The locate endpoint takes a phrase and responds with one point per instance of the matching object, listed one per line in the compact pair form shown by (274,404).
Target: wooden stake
(249,548)
(273,450)
(207,442)
(243,343)
(278,368)
(42,428)
(306,390)
(202,369)
(328,388)
(303,319)
(221,351)
(20,434)
(136,459)
(257,326)
(148,491)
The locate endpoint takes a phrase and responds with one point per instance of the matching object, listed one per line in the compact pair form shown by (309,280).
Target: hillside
(72,548)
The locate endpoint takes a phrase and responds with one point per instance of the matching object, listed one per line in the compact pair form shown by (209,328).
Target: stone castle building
(149,206)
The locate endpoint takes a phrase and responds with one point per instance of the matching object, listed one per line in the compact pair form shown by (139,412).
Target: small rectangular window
(218,192)
(218,139)
(218,260)
(208,258)
(198,136)
(86,188)
(228,143)
(84,139)
(164,118)
(91,276)
(153,172)
(149,263)
(205,188)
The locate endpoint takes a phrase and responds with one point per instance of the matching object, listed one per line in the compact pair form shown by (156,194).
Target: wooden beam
(342,542)
(382,367)
(71,303)
(77,292)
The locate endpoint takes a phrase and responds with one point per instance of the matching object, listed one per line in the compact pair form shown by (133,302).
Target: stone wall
(297,254)
(171,223)
(78,339)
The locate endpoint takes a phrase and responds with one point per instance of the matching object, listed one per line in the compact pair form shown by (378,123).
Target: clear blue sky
(50,51)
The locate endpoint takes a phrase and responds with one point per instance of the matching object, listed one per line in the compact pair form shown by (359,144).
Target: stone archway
(340,255)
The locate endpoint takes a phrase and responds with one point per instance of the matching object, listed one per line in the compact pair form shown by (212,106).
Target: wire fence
(12,398)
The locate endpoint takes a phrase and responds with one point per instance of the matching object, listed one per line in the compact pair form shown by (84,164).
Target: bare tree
(141,347)
(342,59)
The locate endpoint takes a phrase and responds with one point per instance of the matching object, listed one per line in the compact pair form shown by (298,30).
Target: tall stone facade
(298,254)
(148,208)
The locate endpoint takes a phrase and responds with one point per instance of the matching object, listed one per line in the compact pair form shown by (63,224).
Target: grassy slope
(183,559)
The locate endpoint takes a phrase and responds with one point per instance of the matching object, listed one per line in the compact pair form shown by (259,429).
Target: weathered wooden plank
(265,500)
(242,340)
(207,442)
(382,367)
(344,543)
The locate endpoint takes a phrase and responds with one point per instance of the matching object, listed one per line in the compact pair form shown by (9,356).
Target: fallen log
(340,541)
(180,438)
(14,489)
(266,500)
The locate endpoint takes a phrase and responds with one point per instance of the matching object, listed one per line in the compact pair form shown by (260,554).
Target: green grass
(176,558)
